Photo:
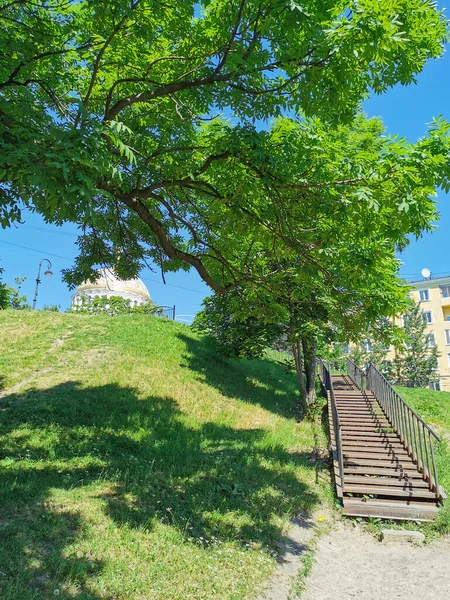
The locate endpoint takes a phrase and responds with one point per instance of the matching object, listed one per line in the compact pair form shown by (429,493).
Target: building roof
(432,280)
(107,280)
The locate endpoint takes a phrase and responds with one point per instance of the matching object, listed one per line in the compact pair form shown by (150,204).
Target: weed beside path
(137,464)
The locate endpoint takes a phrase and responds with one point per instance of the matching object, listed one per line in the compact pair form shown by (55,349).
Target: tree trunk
(309,360)
(297,352)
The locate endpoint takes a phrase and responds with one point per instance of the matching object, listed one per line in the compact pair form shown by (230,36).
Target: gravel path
(351,563)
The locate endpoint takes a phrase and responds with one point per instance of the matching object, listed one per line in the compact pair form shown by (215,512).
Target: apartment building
(432,293)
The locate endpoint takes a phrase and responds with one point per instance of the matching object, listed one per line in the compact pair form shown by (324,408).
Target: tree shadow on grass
(261,381)
(146,463)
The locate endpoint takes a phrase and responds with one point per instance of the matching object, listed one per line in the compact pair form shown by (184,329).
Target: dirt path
(351,563)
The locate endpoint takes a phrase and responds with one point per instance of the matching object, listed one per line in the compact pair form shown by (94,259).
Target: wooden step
(372,460)
(361,416)
(341,397)
(361,419)
(350,395)
(384,470)
(346,390)
(373,428)
(340,394)
(358,403)
(358,461)
(358,408)
(366,449)
(378,480)
(373,443)
(343,406)
(377,448)
(364,421)
(351,429)
(360,507)
(397,492)
(358,412)
(347,422)
(368,435)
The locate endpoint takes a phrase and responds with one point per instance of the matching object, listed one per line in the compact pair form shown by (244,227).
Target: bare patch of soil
(352,563)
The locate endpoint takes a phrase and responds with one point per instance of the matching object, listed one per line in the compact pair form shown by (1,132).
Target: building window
(427,316)
(367,346)
(447,336)
(424,295)
(345,349)
(432,340)
(445,291)
(435,385)
(435,362)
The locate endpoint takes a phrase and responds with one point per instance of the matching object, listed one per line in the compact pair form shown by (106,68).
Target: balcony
(445,301)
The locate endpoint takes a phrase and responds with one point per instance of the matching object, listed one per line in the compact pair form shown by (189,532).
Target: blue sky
(405,111)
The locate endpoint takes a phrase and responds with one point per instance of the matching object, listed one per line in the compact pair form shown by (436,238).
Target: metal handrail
(328,385)
(415,434)
(357,374)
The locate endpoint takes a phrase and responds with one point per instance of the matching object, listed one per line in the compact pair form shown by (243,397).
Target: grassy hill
(135,463)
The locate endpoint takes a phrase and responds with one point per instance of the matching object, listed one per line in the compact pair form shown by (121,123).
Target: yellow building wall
(440,311)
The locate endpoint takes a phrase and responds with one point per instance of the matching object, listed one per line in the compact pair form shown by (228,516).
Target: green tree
(417,359)
(370,351)
(14,299)
(3,293)
(111,106)
(237,332)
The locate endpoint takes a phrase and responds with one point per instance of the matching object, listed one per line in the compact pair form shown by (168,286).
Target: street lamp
(48,273)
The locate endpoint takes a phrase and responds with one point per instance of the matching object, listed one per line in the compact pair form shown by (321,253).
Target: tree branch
(171,251)
(96,67)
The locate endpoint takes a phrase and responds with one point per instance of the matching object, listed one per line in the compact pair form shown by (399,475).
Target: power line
(48,230)
(180,287)
(35,250)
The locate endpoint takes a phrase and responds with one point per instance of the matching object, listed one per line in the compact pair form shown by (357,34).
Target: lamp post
(48,273)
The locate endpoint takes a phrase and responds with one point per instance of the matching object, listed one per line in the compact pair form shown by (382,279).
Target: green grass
(135,463)
(434,408)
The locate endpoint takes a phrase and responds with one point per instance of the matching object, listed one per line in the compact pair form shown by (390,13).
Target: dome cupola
(108,284)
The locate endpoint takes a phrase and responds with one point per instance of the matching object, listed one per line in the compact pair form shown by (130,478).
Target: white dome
(108,284)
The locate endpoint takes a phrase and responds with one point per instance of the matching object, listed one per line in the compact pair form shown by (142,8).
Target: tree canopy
(142,122)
